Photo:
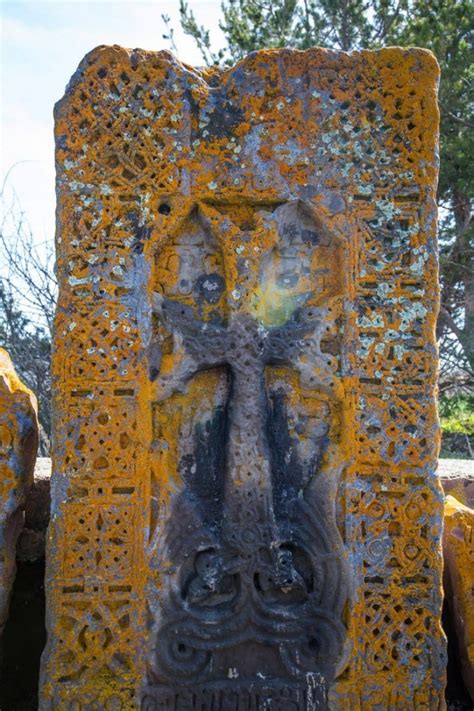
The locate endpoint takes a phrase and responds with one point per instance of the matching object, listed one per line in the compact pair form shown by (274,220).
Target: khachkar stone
(246,513)
(18,445)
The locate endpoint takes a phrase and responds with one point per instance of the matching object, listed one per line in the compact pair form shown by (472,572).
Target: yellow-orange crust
(458,549)
(18,445)
(143,145)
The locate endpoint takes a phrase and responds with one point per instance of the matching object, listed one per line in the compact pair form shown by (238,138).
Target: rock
(458,549)
(457,478)
(31,543)
(18,446)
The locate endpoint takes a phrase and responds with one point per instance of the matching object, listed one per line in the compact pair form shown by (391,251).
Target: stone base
(277,695)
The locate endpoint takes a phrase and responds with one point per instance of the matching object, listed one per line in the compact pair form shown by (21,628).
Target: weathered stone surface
(245,506)
(18,445)
(458,549)
(31,543)
(457,479)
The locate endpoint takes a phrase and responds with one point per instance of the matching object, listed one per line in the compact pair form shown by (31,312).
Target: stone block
(18,446)
(457,479)
(245,507)
(458,549)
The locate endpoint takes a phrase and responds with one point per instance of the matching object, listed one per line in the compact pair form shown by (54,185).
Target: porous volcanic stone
(245,506)
(18,446)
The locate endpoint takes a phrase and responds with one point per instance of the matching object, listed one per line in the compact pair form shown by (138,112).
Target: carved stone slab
(18,445)
(246,513)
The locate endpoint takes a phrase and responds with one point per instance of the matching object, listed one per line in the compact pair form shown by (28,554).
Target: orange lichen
(165,171)
(18,445)
(458,549)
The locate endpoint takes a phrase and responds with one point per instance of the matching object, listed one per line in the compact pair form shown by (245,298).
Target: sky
(41,45)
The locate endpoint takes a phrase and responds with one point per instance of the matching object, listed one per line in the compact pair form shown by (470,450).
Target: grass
(457,425)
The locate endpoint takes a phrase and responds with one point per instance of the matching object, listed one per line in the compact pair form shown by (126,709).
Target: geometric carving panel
(102,541)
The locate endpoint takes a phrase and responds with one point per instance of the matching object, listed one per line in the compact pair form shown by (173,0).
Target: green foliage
(457,426)
(248,25)
(457,414)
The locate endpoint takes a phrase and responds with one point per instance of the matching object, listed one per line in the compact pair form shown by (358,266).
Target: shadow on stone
(25,635)
(23,640)
(457,698)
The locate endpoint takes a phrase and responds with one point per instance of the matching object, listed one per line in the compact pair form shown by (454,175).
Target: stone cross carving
(248,496)
(245,507)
